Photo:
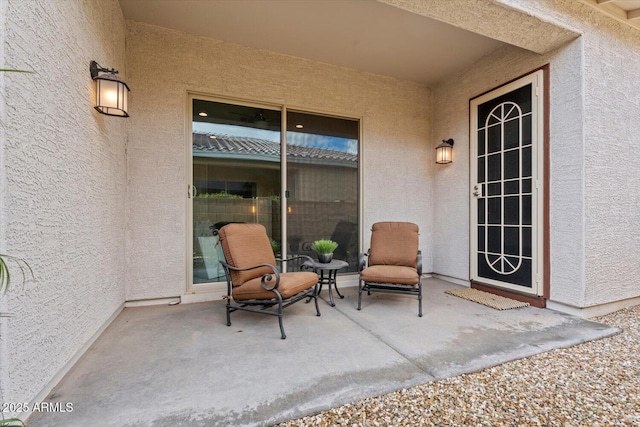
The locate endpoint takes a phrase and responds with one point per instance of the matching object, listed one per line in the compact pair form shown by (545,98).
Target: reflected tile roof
(225,144)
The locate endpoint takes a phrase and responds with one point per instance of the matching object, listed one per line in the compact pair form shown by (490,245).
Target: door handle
(192,191)
(477,190)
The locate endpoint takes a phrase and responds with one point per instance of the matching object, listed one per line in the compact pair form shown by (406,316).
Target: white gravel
(592,384)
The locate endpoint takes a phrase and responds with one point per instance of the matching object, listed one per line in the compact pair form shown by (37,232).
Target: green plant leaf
(15,71)
(5,278)
(324,246)
(11,422)
(5,274)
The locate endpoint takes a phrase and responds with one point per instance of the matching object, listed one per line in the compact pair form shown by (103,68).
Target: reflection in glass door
(236,177)
(322,180)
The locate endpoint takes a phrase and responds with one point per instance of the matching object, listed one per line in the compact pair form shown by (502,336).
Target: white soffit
(627,11)
(365,35)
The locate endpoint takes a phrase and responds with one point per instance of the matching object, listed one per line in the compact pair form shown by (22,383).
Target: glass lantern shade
(111,95)
(444,152)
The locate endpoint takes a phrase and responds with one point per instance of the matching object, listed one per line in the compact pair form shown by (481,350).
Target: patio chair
(254,283)
(394,262)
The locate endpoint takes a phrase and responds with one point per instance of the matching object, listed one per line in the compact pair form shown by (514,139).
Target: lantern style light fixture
(444,152)
(111,91)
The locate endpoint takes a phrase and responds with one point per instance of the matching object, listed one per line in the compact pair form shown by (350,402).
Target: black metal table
(327,275)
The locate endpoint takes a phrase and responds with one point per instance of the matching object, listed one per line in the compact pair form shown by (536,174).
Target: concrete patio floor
(182,366)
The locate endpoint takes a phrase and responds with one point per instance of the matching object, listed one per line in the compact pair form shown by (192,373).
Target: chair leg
(228,314)
(359,294)
(315,297)
(420,299)
(283,335)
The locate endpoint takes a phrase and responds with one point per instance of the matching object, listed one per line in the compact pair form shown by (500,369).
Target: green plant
(5,274)
(275,246)
(222,195)
(11,422)
(324,246)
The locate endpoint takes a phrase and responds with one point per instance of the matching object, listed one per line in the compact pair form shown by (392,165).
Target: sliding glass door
(236,177)
(322,179)
(240,173)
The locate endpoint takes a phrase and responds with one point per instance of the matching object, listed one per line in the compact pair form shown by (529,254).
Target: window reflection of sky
(294,138)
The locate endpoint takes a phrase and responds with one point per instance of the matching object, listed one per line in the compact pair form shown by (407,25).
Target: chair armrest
(305,258)
(419,263)
(361,261)
(291,258)
(263,280)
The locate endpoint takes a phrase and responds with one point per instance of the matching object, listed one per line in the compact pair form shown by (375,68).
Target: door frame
(542,278)
(220,287)
(190,288)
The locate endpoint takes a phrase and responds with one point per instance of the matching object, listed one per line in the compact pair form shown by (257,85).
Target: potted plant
(324,248)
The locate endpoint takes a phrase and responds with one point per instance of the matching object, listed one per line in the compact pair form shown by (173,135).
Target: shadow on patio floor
(182,366)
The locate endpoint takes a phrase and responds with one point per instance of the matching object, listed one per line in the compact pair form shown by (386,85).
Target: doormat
(485,298)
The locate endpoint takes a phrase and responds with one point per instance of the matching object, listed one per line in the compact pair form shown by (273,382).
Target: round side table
(327,275)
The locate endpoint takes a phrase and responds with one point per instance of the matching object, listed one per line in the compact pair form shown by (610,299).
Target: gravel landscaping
(592,384)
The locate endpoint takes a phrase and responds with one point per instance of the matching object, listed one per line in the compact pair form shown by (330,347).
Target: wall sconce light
(111,91)
(444,152)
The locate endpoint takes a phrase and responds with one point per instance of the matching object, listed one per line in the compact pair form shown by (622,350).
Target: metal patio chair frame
(270,280)
(389,286)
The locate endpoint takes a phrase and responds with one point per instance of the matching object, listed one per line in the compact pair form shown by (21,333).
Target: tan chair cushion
(394,243)
(246,245)
(394,274)
(290,285)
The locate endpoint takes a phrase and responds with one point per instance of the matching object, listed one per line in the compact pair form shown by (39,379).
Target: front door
(506,197)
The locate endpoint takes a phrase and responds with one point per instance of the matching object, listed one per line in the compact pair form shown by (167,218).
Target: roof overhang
(415,40)
(495,20)
(626,11)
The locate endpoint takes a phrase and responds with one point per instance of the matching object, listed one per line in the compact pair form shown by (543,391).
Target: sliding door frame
(217,287)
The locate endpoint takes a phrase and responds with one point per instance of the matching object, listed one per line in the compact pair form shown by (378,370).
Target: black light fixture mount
(111,91)
(444,152)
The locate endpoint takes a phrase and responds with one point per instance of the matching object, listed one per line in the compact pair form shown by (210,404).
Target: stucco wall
(451,183)
(595,155)
(612,151)
(612,118)
(63,175)
(163,65)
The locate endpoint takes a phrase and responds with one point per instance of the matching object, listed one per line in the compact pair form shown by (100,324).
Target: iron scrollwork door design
(504,180)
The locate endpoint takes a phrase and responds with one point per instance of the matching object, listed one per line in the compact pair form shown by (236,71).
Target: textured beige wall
(611,61)
(162,65)
(595,155)
(63,186)
(612,117)
(451,183)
